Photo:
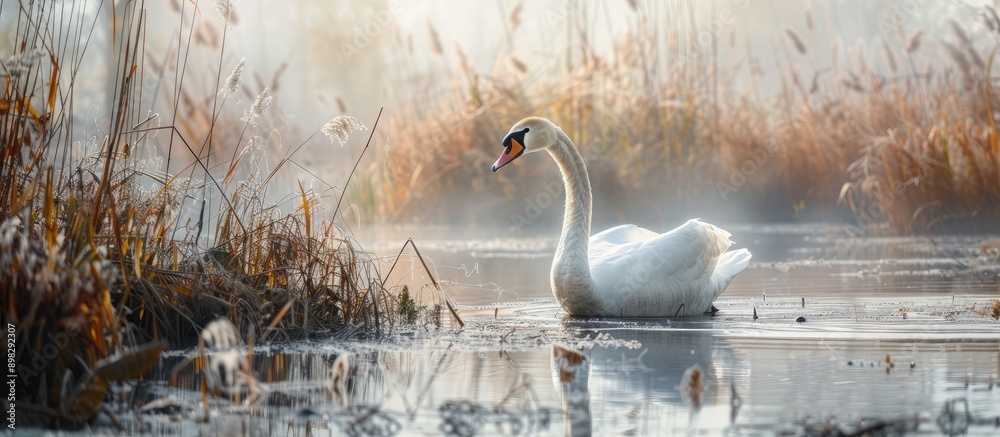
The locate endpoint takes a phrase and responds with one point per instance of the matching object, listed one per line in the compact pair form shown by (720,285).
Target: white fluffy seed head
(259,105)
(340,128)
(224,8)
(233,81)
(21,64)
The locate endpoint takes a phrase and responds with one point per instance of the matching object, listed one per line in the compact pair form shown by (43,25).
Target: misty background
(323,59)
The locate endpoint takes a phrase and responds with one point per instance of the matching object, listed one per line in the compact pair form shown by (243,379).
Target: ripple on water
(872,307)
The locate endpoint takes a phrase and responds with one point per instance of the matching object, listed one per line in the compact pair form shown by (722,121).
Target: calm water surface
(895,338)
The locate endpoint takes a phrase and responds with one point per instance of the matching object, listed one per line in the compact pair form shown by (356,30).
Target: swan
(625,271)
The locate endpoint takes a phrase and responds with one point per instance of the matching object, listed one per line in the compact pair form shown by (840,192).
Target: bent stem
(447,299)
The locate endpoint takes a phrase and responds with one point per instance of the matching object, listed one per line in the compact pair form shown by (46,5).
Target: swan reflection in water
(612,390)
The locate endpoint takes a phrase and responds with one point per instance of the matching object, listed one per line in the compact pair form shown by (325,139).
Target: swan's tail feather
(718,237)
(730,264)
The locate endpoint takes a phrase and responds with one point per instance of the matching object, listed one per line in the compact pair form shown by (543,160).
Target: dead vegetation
(103,257)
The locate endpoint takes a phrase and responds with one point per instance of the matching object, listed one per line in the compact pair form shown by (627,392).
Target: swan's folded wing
(686,254)
(623,234)
(617,241)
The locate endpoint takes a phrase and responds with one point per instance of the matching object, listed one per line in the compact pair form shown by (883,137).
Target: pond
(895,335)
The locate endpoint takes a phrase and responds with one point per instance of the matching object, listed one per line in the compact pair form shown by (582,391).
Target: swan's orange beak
(513,147)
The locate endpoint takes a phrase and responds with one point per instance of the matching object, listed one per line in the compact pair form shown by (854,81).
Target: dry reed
(912,153)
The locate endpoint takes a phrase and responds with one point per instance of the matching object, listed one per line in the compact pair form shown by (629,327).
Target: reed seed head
(224,8)
(259,106)
(913,44)
(234,80)
(435,40)
(339,128)
(795,40)
(514,17)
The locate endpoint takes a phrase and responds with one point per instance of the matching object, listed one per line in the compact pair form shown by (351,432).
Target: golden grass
(912,152)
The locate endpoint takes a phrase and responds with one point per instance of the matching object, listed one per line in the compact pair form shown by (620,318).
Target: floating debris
(800,319)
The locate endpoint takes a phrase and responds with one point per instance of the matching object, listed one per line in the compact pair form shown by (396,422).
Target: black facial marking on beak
(513,145)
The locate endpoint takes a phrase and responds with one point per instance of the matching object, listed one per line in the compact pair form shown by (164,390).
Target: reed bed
(908,147)
(103,257)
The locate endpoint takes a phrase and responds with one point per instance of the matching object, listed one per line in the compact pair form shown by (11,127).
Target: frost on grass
(224,8)
(340,128)
(20,64)
(259,106)
(45,268)
(233,81)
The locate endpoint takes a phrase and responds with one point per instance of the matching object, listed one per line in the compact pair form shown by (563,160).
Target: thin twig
(350,176)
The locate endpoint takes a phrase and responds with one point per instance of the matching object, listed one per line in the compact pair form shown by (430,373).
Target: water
(895,337)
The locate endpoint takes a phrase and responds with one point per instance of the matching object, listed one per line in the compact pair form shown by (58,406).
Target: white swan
(625,271)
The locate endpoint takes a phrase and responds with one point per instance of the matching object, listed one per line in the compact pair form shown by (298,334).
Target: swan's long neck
(571,280)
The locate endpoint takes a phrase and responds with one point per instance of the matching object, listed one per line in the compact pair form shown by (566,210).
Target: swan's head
(529,135)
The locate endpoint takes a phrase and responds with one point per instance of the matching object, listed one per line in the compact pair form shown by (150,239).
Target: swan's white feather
(640,273)
(621,234)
